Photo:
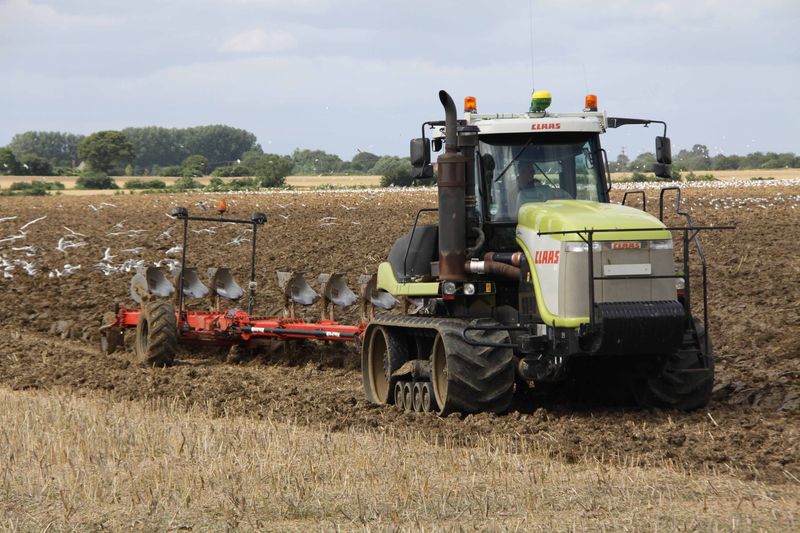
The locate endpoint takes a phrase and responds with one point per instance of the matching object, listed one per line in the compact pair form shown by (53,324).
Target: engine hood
(567,215)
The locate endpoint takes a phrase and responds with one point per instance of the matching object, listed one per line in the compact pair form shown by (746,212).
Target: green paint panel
(566,215)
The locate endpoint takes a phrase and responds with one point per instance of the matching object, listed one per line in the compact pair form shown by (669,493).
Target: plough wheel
(156,334)
(470,379)
(383,352)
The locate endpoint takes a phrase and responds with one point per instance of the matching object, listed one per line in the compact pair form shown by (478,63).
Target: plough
(162,320)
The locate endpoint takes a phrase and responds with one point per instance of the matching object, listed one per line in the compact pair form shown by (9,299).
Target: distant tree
(313,162)
(394,171)
(95,180)
(156,146)
(725,162)
(232,171)
(9,166)
(621,164)
(222,145)
(194,166)
(105,149)
(34,165)
(272,169)
(643,163)
(363,161)
(61,149)
(187,182)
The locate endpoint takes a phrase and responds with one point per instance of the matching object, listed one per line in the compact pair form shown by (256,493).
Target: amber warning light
(470,104)
(591,103)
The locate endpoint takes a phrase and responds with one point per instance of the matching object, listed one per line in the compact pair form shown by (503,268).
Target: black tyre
(684,380)
(383,352)
(156,334)
(471,379)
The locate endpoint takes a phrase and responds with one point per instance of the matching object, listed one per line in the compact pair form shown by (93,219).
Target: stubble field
(734,465)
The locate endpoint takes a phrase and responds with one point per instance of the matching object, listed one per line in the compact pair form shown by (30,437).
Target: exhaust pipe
(451,184)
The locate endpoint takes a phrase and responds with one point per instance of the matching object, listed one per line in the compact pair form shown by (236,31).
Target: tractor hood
(567,215)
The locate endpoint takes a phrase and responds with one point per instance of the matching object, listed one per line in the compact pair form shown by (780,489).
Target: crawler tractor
(532,278)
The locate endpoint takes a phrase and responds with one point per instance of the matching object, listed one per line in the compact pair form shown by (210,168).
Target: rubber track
(686,379)
(480,378)
(162,341)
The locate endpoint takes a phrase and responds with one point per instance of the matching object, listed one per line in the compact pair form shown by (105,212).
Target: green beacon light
(540,100)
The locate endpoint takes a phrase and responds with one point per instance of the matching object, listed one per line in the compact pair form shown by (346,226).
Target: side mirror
(420,153)
(422,173)
(437,144)
(663,150)
(663,170)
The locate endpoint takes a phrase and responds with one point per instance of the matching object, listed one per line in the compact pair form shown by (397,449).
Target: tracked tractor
(532,278)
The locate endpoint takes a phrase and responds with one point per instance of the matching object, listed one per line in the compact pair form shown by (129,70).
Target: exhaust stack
(451,183)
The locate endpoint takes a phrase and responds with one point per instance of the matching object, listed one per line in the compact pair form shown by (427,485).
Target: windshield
(519,169)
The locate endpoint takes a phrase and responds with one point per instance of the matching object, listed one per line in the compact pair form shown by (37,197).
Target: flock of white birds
(19,256)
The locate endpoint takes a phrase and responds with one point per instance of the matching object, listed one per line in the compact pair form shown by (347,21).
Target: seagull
(107,257)
(29,250)
(32,222)
(210,231)
(73,232)
(108,204)
(64,244)
(136,250)
(106,269)
(119,224)
(174,250)
(93,208)
(238,240)
(285,217)
(346,208)
(327,219)
(166,234)
(12,238)
(7,218)
(68,269)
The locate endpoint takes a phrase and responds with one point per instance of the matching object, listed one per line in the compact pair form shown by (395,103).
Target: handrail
(636,191)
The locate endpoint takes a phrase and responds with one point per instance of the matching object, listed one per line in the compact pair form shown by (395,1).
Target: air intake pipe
(451,184)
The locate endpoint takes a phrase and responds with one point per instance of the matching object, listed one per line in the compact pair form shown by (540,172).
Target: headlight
(449,288)
(581,246)
(469,289)
(661,245)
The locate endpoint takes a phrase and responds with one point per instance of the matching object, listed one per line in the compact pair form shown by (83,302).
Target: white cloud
(258,40)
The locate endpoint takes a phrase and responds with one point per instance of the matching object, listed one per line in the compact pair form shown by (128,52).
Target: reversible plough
(162,320)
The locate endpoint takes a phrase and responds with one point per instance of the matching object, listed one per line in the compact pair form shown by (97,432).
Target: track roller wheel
(383,352)
(428,403)
(111,337)
(398,395)
(156,334)
(408,396)
(418,397)
(685,378)
(471,379)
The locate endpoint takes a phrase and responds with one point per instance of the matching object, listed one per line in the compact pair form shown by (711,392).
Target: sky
(354,75)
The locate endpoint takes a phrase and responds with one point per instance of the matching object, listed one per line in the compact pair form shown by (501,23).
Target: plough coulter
(162,320)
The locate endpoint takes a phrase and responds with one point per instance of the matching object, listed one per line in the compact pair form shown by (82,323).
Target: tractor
(532,279)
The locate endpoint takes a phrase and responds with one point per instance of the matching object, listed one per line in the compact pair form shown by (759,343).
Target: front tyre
(684,380)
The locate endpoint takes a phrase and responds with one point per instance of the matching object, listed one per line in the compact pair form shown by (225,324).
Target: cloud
(260,41)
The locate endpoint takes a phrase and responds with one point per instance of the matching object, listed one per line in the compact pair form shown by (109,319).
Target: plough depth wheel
(156,334)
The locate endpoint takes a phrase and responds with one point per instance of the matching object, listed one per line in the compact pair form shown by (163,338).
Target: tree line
(698,158)
(216,150)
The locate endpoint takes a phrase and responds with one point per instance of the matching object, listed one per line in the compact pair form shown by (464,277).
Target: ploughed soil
(50,320)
